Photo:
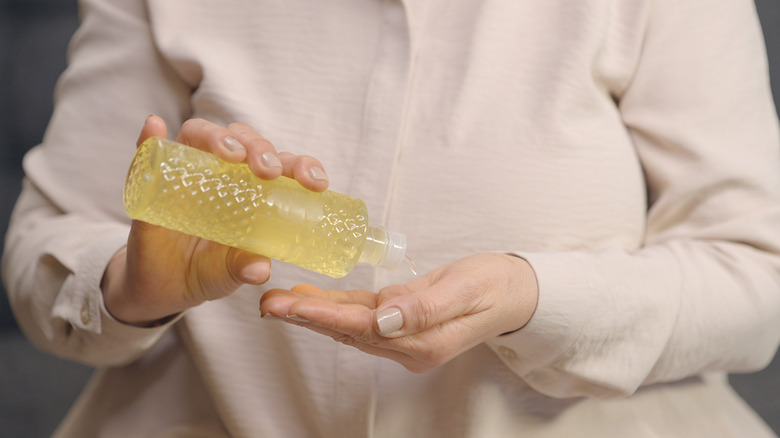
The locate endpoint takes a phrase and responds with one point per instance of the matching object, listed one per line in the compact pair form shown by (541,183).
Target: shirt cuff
(80,300)
(555,325)
(601,323)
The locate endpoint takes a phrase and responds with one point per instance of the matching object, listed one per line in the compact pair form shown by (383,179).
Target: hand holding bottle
(163,272)
(426,322)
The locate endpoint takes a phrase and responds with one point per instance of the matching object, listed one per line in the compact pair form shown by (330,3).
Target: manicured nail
(318,174)
(389,320)
(232,144)
(270,160)
(249,278)
(294,317)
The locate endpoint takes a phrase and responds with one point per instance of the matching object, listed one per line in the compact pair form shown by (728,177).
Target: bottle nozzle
(384,248)
(395,250)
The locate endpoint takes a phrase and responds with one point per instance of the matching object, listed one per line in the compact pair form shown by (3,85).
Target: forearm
(53,265)
(610,321)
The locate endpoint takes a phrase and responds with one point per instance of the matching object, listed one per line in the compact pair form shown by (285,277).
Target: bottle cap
(395,250)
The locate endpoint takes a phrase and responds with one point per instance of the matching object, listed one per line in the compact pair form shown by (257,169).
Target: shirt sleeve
(703,292)
(69,220)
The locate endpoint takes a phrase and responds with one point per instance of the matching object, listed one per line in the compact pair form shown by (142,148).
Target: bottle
(188,190)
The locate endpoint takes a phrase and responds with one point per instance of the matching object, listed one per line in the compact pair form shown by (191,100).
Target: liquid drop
(411,265)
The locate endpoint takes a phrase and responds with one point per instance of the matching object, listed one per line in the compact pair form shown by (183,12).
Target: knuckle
(286,156)
(231,271)
(425,313)
(368,337)
(344,339)
(304,161)
(249,135)
(196,123)
(239,127)
(331,319)
(334,322)
(350,341)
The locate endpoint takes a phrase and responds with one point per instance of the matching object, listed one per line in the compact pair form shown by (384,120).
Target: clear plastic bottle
(194,192)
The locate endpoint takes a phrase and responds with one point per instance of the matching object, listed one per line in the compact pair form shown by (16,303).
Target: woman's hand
(163,272)
(424,323)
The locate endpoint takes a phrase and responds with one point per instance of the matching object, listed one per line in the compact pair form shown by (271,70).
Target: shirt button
(85,314)
(507,353)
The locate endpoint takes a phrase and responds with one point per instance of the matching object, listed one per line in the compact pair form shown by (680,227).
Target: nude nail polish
(389,320)
(318,174)
(232,144)
(270,160)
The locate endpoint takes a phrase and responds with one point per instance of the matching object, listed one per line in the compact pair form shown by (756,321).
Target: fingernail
(318,174)
(232,144)
(270,317)
(389,320)
(270,160)
(249,278)
(294,317)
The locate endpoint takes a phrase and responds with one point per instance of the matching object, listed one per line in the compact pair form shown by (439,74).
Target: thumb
(417,311)
(389,321)
(249,268)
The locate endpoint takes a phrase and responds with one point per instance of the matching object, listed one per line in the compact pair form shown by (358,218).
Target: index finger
(279,301)
(213,138)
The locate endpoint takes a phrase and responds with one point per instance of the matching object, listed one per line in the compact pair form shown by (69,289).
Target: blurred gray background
(36,389)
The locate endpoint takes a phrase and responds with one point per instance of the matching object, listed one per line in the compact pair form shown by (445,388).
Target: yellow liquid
(196,193)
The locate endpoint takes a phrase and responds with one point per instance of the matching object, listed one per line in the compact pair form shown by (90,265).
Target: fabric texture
(628,150)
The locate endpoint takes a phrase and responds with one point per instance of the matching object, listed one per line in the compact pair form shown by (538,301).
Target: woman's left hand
(424,323)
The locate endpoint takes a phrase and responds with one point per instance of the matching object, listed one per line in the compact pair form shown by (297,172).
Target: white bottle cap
(395,250)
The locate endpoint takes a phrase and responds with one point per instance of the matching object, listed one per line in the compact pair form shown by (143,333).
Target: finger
(154,126)
(354,320)
(360,297)
(348,324)
(249,268)
(210,137)
(261,155)
(417,311)
(352,326)
(278,301)
(438,345)
(377,350)
(307,170)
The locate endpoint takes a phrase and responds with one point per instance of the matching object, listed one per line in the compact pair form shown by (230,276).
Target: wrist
(119,303)
(525,292)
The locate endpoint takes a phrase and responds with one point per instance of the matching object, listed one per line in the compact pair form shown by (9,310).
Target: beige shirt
(627,149)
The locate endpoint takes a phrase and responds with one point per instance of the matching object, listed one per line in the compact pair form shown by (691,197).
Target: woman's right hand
(162,272)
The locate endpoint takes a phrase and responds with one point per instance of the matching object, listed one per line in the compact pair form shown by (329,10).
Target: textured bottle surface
(194,192)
